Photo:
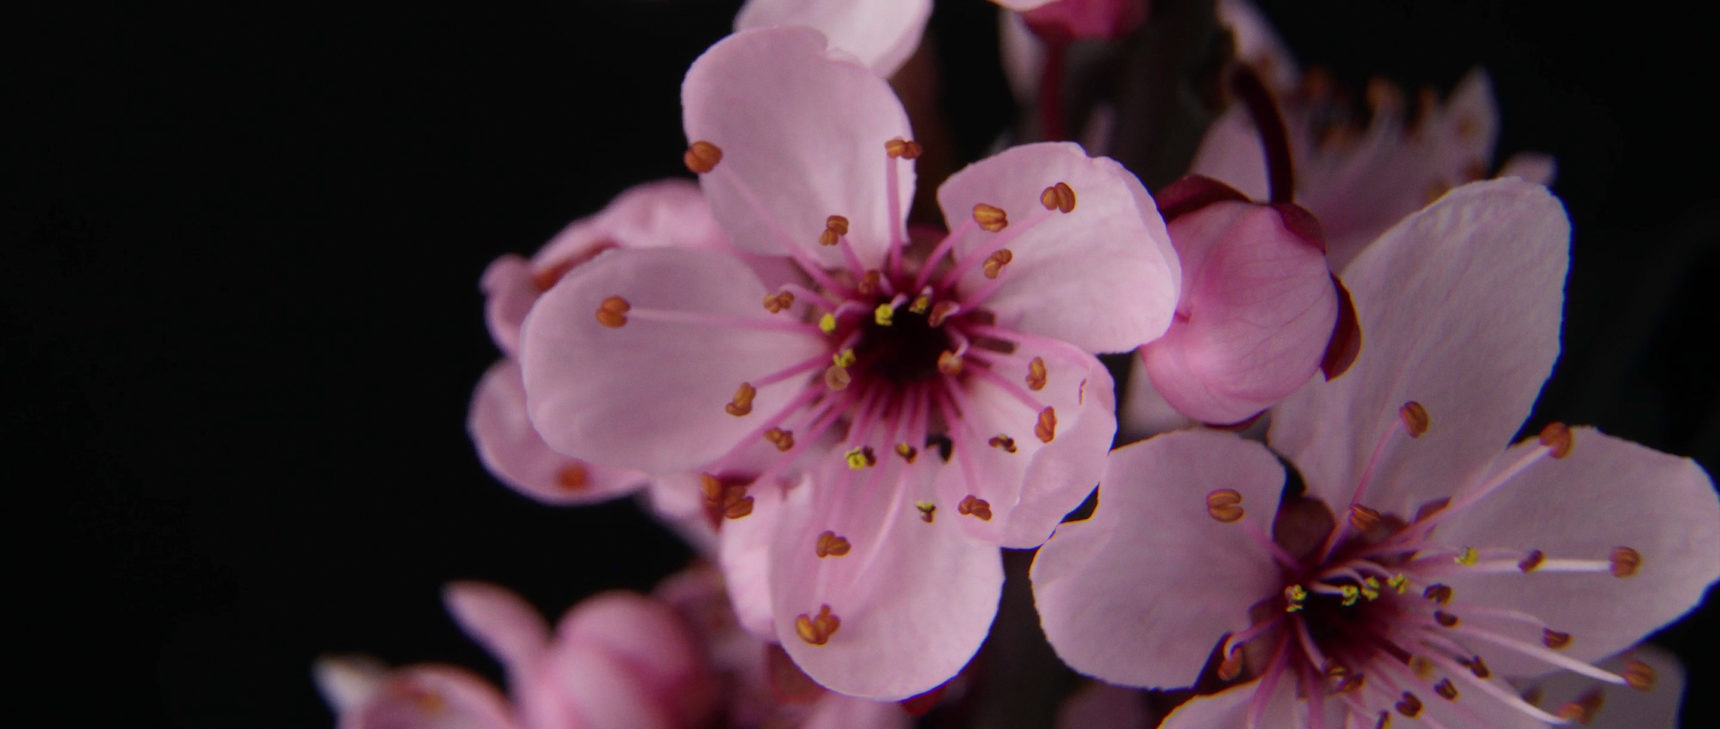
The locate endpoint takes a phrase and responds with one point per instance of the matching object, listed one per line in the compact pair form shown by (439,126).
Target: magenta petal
(1103,277)
(1157,626)
(914,599)
(514,452)
(504,623)
(1607,493)
(744,553)
(1256,313)
(652,394)
(1459,307)
(881,33)
(802,135)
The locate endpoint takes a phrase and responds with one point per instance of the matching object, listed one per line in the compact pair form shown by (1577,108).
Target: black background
(240,280)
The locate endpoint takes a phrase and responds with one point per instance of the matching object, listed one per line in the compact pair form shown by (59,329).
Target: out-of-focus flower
(1421,565)
(881,33)
(919,408)
(1258,306)
(1599,705)
(1065,20)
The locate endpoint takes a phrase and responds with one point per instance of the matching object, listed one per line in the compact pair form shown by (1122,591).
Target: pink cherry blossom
(918,408)
(1421,565)
(881,33)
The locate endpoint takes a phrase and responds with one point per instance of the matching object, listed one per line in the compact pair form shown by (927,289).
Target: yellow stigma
(883,314)
(844,358)
(1399,582)
(920,304)
(1350,594)
(1468,557)
(827,323)
(1294,595)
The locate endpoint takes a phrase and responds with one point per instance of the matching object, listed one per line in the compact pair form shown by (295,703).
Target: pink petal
(1103,277)
(640,642)
(652,394)
(1459,307)
(1256,313)
(1228,709)
(1129,596)
(914,599)
(430,697)
(1607,493)
(1029,490)
(744,553)
(1622,708)
(514,452)
(509,292)
(802,135)
(580,686)
(881,33)
(502,622)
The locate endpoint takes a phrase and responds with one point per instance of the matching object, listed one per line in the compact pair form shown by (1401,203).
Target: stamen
(1476,666)
(835,227)
(1438,593)
(782,439)
(830,545)
(612,312)
(1003,443)
(1557,438)
(702,157)
(871,282)
(941,311)
(1625,561)
(827,323)
(742,402)
(949,363)
(573,476)
(844,358)
(1409,705)
(907,452)
(727,501)
(1350,594)
(975,507)
(1421,666)
(990,218)
(1554,639)
(1224,505)
(884,315)
(1363,518)
(900,148)
(836,377)
(1445,689)
(1036,374)
(1468,557)
(927,510)
(1639,675)
(1583,709)
(921,304)
(1294,596)
(1058,197)
(1398,582)
(1415,418)
(861,457)
(775,303)
(1046,429)
(817,630)
(996,261)
(1445,619)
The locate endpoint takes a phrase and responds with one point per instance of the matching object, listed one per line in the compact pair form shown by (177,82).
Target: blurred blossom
(869,434)
(1065,20)
(882,34)
(1420,566)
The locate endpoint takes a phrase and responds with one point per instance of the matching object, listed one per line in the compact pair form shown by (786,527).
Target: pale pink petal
(1022,55)
(644,634)
(500,621)
(1228,709)
(509,292)
(744,552)
(582,686)
(1607,493)
(514,452)
(914,599)
(881,33)
(1459,307)
(1621,707)
(1029,485)
(1158,626)
(652,394)
(1256,312)
(1103,277)
(835,711)
(430,697)
(668,213)
(1103,705)
(802,135)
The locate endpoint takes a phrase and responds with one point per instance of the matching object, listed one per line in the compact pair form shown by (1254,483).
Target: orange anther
(1639,675)
(1477,667)
(1058,197)
(1224,505)
(612,312)
(1421,666)
(1445,619)
(1046,428)
(817,630)
(1409,705)
(1532,560)
(742,403)
(836,377)
(1625,561)
(1437,593)
(1036,374)
(830,545)
(778,301)
(1415,418)
(1003,443)
(573,476)
(870,283)
(1554,639)
(782,439)
(940,311)
(1445,689)
(975,507)
(836,223)
(903,148)
(949,363)
(995,262)
(990,217)
(1557,438)
(1231,666)
(702,157)
(1363,518)
(1583,709)
(724,501)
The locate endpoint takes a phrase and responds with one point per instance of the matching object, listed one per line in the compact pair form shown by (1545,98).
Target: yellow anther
(883,315)
(1557,438)
(996,261)
(827,323)
(702,157)
(844,358)
(1036,374)
(1398,582)
(1625,561)
(903,148)
(907,452)
(612,312)
(1370,589)
(927,510)
(1415,418)
(830,545)
(1224,505)
(742,403)
(1468,557)
(1058,197)
(1350,594)
(920,304)
(1421,667)
(1046,429)
(975,507)
(1294,596)
(861,457)
(990,217)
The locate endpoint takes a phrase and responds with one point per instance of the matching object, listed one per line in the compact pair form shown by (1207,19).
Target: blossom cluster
(1309,510)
